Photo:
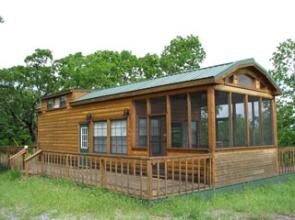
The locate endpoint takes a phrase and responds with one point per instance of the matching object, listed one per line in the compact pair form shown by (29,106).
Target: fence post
(8,160)
(26,168)
(24,157)
(149,179)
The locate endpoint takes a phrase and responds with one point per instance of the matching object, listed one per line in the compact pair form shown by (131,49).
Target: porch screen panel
(254,120)
(267,122)
(239,123)
(158,105)
(199,120)
(222,118)
(179,126)
(119,136)
(141,123)
(100,137)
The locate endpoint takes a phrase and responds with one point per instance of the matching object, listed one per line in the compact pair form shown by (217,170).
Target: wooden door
(157,135)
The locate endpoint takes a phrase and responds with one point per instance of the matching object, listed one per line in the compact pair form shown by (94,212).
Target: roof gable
(215,72)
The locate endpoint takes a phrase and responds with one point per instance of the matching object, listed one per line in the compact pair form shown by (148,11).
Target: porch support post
(168,122)
(90,136)
(148,111)
(149,179)
(211,131)
(275,133)
(247,122)
(189,119)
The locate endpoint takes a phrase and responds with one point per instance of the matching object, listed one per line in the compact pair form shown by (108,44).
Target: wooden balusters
(144,177)
(287,160)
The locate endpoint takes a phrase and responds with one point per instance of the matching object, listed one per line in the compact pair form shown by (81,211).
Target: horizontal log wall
(245,165)
(58,130)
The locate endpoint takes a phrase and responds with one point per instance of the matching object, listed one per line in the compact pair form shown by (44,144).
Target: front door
(157,135)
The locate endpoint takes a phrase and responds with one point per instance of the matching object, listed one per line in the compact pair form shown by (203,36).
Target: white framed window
(100,137)
(119,136)
(84,138)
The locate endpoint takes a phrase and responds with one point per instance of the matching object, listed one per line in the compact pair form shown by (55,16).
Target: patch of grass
(24,198)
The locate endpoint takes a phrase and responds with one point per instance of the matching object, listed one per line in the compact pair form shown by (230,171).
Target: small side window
(56,103)
(49,104)
(229,79)
(63,101)
(247,81)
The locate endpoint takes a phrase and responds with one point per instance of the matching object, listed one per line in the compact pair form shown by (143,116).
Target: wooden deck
(142,177)
(132,184)
(147,178)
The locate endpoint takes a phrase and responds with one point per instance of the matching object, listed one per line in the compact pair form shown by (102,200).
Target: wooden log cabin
(226,111)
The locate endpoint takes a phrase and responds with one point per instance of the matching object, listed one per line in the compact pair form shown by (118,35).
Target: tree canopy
(21,87)
(283,72)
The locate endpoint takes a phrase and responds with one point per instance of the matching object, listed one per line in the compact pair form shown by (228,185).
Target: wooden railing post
(23,159)
(67,165)
(149,179)
(102,172)
(42,164)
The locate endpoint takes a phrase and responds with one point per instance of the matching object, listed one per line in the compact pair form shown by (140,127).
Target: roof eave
(60,93)
(248,63)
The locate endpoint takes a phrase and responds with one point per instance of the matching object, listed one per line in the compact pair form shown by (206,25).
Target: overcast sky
(228,29)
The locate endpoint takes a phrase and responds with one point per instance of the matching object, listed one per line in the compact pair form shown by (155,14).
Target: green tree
(283,72)
(110,68)
(182,54)
(1,20)
(98,70)
(21,88)
(150,66)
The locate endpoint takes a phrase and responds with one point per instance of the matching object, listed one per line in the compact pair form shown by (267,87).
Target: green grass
(24,198)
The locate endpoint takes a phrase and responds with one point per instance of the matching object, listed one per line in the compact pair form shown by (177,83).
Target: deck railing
(6,153)
(142,177)
(287,159)
(17,161)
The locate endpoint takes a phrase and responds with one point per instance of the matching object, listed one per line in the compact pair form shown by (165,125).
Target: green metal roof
(212,71)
